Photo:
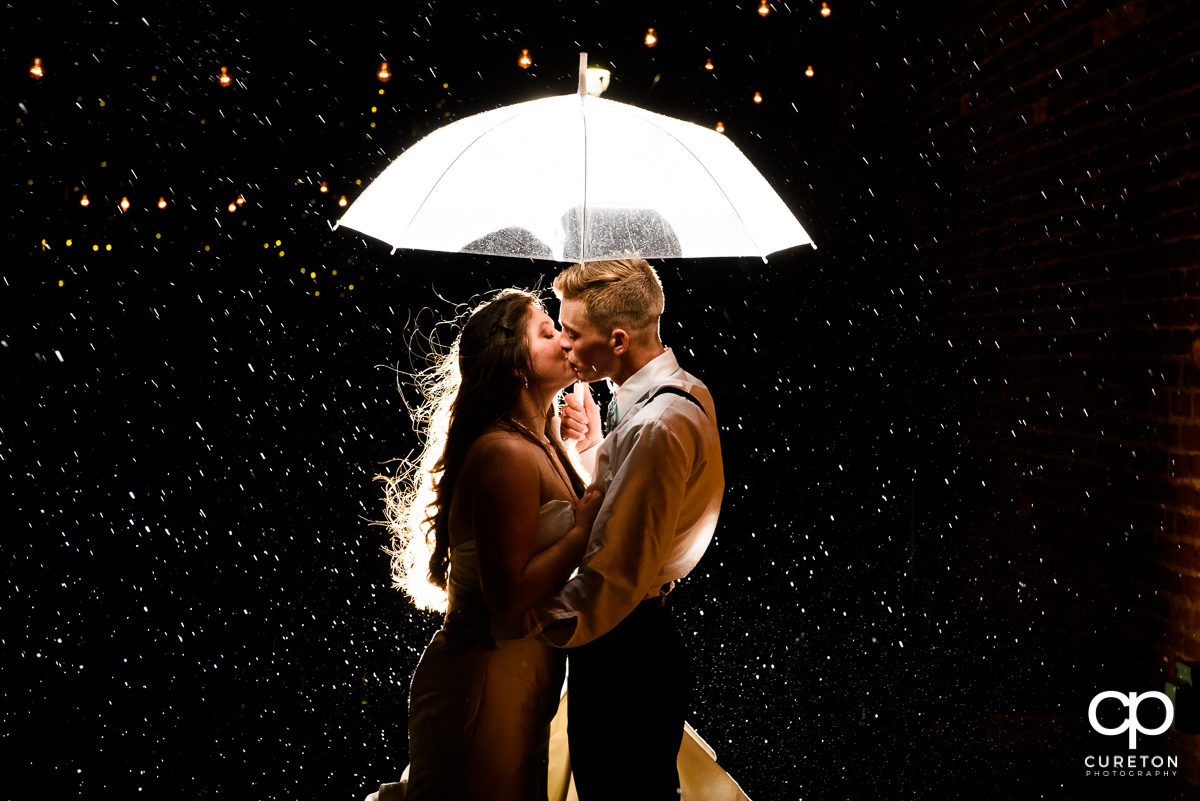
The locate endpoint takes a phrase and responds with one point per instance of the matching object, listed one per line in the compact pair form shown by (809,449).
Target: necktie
(612,413)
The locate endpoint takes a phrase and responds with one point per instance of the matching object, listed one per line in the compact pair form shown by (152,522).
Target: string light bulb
(758,97)
(720,127)
(342,200)
(124,204)
(83,201)
(825,12)
(524,60)
(651,38)
(240,200)
(764,9)
(35,69)
(224,78)
(324,187)
(809,71)
(232,207)
(708,65)
(162,202)
(383,75)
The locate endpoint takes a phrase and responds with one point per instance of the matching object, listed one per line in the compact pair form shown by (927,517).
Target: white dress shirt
(661,472)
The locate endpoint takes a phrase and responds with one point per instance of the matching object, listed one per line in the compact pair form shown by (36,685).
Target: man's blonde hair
(616,294)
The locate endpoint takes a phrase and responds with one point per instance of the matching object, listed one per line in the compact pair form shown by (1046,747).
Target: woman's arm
(505,488)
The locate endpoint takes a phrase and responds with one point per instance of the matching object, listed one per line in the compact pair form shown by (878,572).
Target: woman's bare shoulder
(502,446)
(500,461)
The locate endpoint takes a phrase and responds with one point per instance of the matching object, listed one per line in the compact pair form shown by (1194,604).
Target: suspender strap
(681,393)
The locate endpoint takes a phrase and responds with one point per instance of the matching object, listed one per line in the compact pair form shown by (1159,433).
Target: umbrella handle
(582,74)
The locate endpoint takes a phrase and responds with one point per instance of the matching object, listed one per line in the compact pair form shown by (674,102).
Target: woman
(499,504)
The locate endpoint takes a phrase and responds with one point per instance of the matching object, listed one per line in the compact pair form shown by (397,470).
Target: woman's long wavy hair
(470,389)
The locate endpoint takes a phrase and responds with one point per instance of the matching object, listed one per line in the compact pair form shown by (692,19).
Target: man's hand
(581,419)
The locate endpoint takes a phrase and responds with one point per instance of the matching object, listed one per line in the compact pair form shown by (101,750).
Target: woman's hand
(587,508)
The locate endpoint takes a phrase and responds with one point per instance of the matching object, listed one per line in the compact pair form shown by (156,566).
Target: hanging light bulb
(757,97)
(708,65)
(764,9)
(83,201)
(825,12)
(342,200)
(324,187)
(651,38)
(809,71)
(35,69)
(224,78)
(232,207)
(524,60)
(240,200)
(720,127)
(162,202)
(124,204)
(383,74)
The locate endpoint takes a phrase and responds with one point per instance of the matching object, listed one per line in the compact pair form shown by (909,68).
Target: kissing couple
(540,569)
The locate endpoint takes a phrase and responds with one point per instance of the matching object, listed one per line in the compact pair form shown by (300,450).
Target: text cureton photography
(1130,765)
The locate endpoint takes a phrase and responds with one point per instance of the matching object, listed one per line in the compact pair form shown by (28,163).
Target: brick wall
(1037,226)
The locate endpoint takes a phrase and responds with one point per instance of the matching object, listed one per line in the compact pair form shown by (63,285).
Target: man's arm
(580,429)
(632,537)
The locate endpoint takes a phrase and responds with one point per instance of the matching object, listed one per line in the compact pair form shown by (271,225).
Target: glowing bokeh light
(651,38)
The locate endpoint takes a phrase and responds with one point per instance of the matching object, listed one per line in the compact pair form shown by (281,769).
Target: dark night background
(194,403)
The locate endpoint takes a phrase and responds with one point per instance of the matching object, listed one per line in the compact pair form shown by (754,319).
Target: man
(660,468)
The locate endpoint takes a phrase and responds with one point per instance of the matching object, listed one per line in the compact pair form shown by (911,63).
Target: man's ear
(619,340)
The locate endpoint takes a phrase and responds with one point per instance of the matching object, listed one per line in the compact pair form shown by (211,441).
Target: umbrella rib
(710,175)
(450,166)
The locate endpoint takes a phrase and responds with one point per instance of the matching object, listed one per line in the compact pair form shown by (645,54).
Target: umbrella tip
(582,74)
(333,226)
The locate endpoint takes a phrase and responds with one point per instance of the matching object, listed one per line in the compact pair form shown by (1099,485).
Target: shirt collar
(652,374)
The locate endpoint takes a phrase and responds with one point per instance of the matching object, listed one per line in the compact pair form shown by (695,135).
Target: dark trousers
(628,693)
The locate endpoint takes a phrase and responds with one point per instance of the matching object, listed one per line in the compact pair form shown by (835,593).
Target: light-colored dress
(479,715)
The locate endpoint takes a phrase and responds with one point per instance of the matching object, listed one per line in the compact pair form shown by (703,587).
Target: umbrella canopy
(576,178)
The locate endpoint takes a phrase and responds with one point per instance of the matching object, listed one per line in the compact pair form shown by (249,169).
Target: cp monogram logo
(1132,724)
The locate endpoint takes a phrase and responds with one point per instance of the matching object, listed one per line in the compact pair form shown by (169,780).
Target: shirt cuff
(587,460)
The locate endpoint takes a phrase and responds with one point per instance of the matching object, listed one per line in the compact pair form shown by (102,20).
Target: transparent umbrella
(576,175)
